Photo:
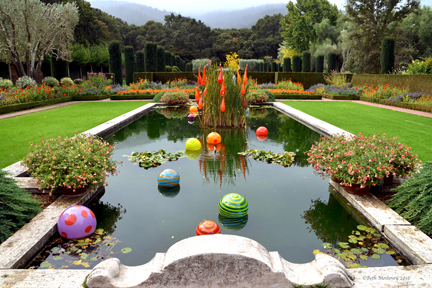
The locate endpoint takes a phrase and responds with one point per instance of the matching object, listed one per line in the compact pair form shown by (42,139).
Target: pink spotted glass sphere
(76,222)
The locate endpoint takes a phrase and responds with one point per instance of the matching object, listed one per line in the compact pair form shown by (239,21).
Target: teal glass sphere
(233,205)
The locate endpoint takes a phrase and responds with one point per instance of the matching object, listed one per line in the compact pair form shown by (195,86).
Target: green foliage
(297,63)
(319,66)
(158,96)
(115,63)
(413,199)
(266,67)
(17,207)
(420,66)
(336,79)
(167,56)
(257,96)
(175,69)
(160,55)
(80,54)
(274,67)
(285,159)
(99,55)
(139,57)
(5,83)
(129,64)
(154,159)
(387,55)
(200,62)
(25,81)
(188,67)
(286,64)
(175,98)
(50,81)
(66,81)
(173,61)
(183,65)
(306,62)
(168,69)
(288,84)
(253,64)
(331,62)
(298,24)
(150,57)
(178,62)
(271,96)
(260,66)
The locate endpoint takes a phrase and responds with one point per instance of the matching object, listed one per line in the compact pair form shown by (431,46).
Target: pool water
(145,220)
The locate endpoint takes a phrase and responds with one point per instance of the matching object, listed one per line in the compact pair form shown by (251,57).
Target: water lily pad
(327,245)
(343,245)
(383,245)
(361,227)
(126,250)
(45,264)
(391,252)
(57,257)
(94,259)
(363,257)
(376,256)
(84,256)
(379,250)
(356,251)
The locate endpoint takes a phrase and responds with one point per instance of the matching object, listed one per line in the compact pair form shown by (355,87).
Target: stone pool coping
(413,244)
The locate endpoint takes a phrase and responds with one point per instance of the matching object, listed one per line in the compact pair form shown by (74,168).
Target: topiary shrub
(139,57)
(115,62)
(25,81)
(387,55)
(78,81)
(129,64)
(158,96)
(266,67)
(175,69)
(50,81)
(178,62)
(66,81)
(17,207)
(160,59)
(150,50)
(413,199)
(173,61)
(297,63)
(168,69)
(257,96)
(188,67)
(175,98)
(5,83)
(306,63)
(261,66)
(274,67)
(319,65)
(167,56)
(331,62)
(271,96)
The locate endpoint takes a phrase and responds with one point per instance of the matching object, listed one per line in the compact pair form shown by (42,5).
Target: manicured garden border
(29,105)
(341,97)
(299,96)
(412,106)
(91,97)
(139,96)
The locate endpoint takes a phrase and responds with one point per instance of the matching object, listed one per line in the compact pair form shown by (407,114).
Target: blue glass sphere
(168,178)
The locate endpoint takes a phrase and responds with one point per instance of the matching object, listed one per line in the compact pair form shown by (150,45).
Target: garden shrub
(115,62)
(175,98)
(297,63)
(286,64)
(387,55)
(168,69)
(167,56)
(200,62)
(261,66)
(331,62)
(420,66)
(306,64)
(78,81)
(178,62)
(5,83)
(183,65)
(50,81)
(274,67)
(175,69)
(158,96)
(139,57)
(66,81)
(98,80)
(319,65)
(129,64)
(25,81)
(288,84)
(160,56)
(271,96)
(413,199)
(266,67)
(188,67)
(173,61)
(257,96)
(17,207)
(150,59)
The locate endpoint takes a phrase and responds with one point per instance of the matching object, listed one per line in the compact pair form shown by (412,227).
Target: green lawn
(415,131)
(17,132)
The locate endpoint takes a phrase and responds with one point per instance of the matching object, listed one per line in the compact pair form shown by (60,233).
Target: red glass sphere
(262,131)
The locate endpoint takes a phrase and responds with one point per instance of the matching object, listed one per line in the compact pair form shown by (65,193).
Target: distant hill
(139,14)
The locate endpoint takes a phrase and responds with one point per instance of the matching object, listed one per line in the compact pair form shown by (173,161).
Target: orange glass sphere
(207,227)
(262,131)
(193,110)
(213,138)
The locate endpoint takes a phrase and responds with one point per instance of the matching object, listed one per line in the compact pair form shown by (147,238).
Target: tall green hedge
(331,62)
(261,67)
(387,55)
(266,67)
(167,58)
(160,55)
(139,56)
(115,64)
(173,61)
(297,63)
(319,66)
(178,61)
(287,65)
(306,63)
(129,64)
(274,67)
(189,67)
(150,59)
(183,65)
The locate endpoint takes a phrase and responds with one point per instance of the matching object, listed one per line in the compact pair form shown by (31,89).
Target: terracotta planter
(69,191)
(356,190)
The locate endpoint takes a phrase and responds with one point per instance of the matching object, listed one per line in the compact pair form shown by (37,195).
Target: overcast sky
(203,6)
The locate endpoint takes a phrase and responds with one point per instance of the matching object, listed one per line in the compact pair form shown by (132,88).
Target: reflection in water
(169,192)
(174,112)
(233,224)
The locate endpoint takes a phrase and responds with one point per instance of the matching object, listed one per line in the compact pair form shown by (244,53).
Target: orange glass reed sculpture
(222,98)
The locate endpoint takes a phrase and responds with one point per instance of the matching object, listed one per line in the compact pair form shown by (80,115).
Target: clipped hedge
(142,75)
(412,106)
(341,97)
(413,83)
(263,77)
(133,97)
(129,64)
(308,79)
(24,106)
(299,96)
(91,97)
